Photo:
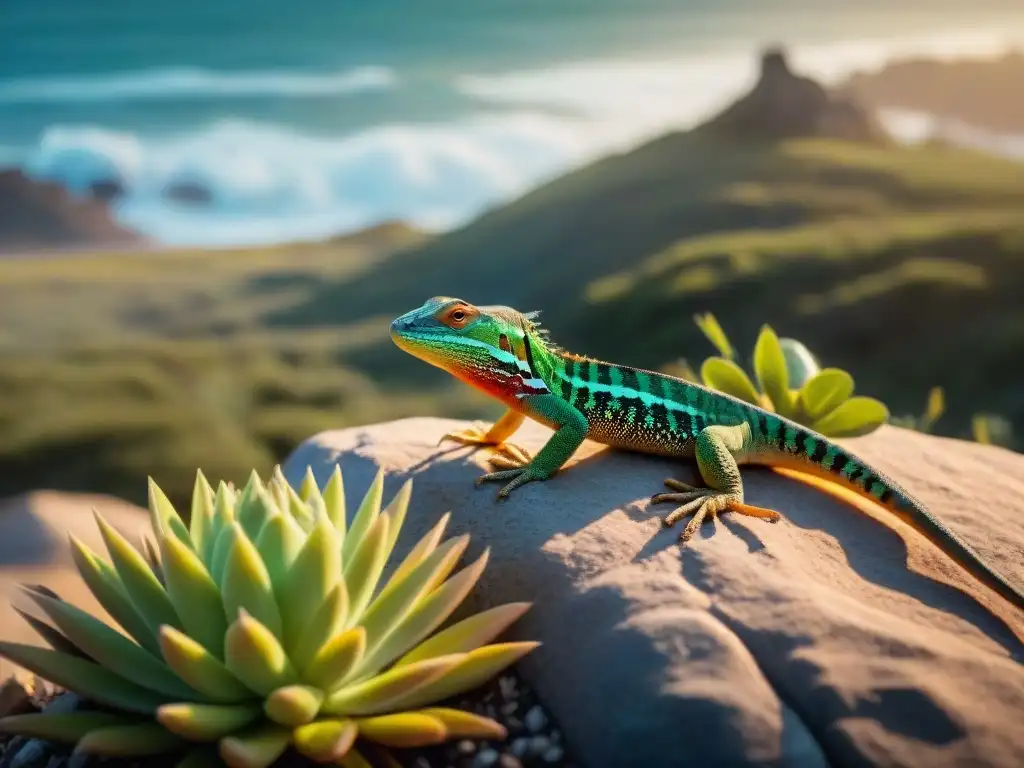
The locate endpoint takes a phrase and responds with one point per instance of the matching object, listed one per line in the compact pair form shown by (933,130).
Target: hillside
(904,265)
(983,92)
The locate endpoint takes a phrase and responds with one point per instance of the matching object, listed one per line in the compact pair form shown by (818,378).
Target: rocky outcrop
(982,92)
(806,643)
(785,105)
(41,214)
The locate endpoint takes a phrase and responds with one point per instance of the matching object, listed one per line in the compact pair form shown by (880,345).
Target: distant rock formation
(41,214)
(188,193)
(786,105)
(983,92)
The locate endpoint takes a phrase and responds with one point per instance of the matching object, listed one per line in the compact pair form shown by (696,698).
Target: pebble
(535,719)
(486,758)
(553,755)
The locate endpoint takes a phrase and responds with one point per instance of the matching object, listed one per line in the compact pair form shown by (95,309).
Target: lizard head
(488,347)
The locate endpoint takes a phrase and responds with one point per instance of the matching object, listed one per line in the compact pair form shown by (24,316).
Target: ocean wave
(176,82)
(272,184)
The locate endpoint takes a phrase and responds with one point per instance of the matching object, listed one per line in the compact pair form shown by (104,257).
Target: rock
(188,192)
(107,189)
(15,697)
(785,105)
(34,549)
(806,643)
(41,214)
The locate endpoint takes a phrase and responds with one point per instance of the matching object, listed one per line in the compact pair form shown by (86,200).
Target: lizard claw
(705,504)
(476,436)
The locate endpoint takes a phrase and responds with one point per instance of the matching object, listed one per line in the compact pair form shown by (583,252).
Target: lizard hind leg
(715,451)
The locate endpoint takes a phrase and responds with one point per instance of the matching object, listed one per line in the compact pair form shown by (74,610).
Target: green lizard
(506,354)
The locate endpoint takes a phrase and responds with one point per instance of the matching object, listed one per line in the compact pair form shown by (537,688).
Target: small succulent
(259,627)
(791,383)
(934,408)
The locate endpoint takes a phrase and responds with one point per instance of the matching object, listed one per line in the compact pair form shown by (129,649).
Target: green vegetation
(790,383)
(903,266)
(260,624)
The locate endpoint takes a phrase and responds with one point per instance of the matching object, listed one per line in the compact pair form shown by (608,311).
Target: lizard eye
(458,315)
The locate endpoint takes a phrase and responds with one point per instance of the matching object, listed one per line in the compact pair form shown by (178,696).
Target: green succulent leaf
(467,635)
(254,508)
(326,741)
(389,609)
(66,728)
(315,572)
(195,596)
(165,518)
(223,516)
(825,392)
(336,659)
(246,584)
(200,529)
(109,648)
(855,417)
(354,759)
(418,553)
(334,502)
(136,740)
(53,637)
(709,326)
(327,621)
(294,705)
(428,615)
(106,587)
(466,725)
(206,722)
(474,669)
(309,490)
(801,365)
(144,590)
(204,756)
(396,511)
(365,517)
(279,543)
(403,729)
(383,692)
(771,372)
(200,669)
(363,568)
(85,678)
(725,376)
(257,748)
(253,654)
(935,408)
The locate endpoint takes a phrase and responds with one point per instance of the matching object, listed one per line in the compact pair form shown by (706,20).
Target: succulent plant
(262,625)
(790,383)
(934,408)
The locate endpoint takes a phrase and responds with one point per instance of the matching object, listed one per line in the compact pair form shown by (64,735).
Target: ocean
(310,118)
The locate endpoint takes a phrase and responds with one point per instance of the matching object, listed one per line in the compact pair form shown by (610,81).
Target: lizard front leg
(570,427)
(480,435)
(715,450)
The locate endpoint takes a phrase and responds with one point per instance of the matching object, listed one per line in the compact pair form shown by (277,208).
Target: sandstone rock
(806,643)
(34,531)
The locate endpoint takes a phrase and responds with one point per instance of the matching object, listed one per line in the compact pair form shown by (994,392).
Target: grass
(904,266)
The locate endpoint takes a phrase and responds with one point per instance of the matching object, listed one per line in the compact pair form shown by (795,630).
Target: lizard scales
(507,355)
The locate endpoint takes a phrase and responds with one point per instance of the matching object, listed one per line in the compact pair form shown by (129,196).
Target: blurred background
(210,210)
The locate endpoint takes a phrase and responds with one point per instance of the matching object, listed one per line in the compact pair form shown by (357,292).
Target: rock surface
(39,214)
(34,531)
(806,643)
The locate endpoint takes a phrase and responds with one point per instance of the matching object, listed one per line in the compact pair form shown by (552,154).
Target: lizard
(508,355)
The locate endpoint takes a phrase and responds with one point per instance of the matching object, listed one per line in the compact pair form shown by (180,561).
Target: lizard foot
(477,436)
(704,504)
(518,475)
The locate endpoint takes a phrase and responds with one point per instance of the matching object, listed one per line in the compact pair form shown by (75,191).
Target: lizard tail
(803,450)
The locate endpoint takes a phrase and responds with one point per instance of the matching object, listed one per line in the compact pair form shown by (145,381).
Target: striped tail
(788,445)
